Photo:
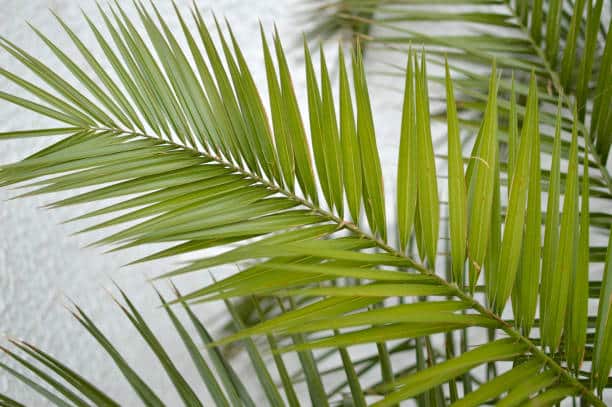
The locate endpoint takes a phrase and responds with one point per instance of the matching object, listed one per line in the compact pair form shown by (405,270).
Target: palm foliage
(222,382)
(566,45)
(184,144)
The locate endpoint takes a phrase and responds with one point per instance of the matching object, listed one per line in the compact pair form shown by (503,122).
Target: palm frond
(197,163)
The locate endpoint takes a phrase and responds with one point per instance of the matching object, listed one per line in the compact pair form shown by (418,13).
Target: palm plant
(183,143)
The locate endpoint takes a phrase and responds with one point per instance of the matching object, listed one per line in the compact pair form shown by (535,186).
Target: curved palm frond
(185,141)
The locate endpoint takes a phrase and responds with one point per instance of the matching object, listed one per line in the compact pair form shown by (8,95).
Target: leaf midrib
(342,223)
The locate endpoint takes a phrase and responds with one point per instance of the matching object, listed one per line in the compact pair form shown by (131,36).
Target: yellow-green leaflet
(556,302)
(457,195)
(481,187)
(512,135)
(351,158)
(495,238)
(528,276)
(427,183)
(512,242)
(295,126)
(552,30)
(568,61)
(316,129)
(585,73)
(331,141)
(418,233)
(407,161)
(579,287)
(602,106)
(281,138)
(536,21)
(551,227)
(373,192)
